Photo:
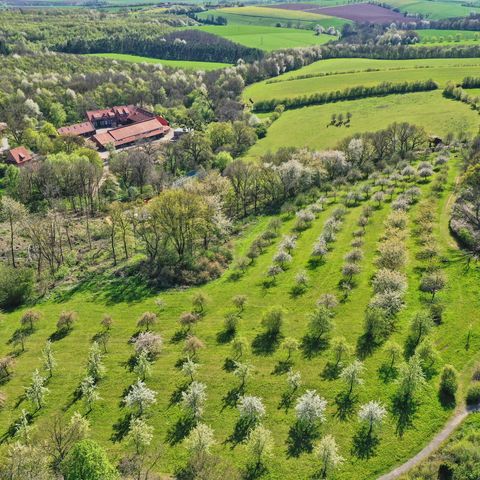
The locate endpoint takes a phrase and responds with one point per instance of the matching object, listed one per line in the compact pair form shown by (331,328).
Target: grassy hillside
(125,301)
(263,16)
(430,110)
(331,75)
(185,64)
(268,38)
(448,37)
(434,9)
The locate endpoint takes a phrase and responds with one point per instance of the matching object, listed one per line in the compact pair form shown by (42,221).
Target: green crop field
(331,75)
(448,37)
(430,110)
(263,16)
(268,38)
(434,10)
(460,298)
(185,64)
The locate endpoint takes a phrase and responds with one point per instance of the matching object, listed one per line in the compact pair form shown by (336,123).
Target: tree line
(351,93)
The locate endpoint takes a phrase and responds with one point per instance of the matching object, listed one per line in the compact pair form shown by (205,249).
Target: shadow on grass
(58,335)
(331,371)
(297,291)
(178,336)
(365,443)
(286,401)
(265,343)
(366,345)
(282,366)
(121,427)
(300,439)
(254,471)
(176,395)
(387,372)
(312,346)
(225,336)
(345,405)
(180,430)
(13,427)
(314,263)
(241,431)
(229,365)
(232,396)
(404,410)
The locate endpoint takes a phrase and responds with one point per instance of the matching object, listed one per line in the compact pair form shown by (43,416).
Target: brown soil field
(357,12)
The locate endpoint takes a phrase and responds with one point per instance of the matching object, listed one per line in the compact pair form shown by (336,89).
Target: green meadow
(184,64)
(434,10)
(308,126)
(126,299)
(339,74)
(268,38)
(448,37)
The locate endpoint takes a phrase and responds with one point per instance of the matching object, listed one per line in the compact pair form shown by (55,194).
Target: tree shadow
(447,400)
(297,291)
(286,401)
(58,335)
(180,430)
(404,410)
(311,346)
(74,398)
(365,443)
(121,427)
(282,366)
(300,439)
(254,471)
(366,345)
(345,405)
(265,343)
(176,395)
(387,373)
(178,336)
(226,336)
(13,427)
(232,396)
(229,365)
(241,431)
(331,371)
(314,263)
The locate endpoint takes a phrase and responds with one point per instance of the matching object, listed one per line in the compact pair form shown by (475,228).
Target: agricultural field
(356,12)
(268,38)
(430,110)
(434,10)
(267,380)
(334,74)
(264,16)
(184,64)
(448,37)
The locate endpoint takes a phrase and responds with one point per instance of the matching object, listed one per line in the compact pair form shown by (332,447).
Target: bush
(16,286)
(449,381)
(473,394)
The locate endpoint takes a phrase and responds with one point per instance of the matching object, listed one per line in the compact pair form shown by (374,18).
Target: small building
(124,136)
(117,116)
(19,156)
(85,129)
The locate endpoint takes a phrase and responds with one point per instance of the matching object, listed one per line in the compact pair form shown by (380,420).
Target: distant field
(433,9)
(188,65)
(448,37)
(331,75)
(430,110)
(263,16)
(268,38)
(356,12)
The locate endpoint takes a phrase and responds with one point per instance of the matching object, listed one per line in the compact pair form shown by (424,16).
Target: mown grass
(183,64)
(447,37)
(460,298)
(263,16)
(268,38)
(434,10)
(428,109)
(332,75)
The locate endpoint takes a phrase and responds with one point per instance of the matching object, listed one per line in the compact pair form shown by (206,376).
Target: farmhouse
(116,116)
(151,129)
(19,156)
(85,129)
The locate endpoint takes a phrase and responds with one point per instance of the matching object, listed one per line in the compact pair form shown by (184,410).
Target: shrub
(16,286)
(473,394)
(272,321)
(66,320)
(449,381)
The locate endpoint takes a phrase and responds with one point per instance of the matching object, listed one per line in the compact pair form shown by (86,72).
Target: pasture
(268,38)
(263,16)
(125,301)
(308,126)
(435,10)
(183,64)
(338,74)
(448,37)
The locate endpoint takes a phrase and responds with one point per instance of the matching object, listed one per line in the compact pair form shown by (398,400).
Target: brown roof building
(123,136)
(115,116)
(84,129)
(19,156)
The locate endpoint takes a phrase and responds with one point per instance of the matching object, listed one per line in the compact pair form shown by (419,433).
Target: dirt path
(447,430)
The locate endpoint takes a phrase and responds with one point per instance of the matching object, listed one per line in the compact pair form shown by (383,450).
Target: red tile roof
(131,133)
(19,155)
(77,129)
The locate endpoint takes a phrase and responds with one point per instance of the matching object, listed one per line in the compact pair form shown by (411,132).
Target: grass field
(268,38)
(184,64)
(125,302)
(448,37)
(434,10)
(262,16)
(332,75)
(430,110)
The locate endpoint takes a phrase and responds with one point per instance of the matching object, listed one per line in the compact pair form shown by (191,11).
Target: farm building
(116,116)
(19,156)
(85,129)
(123,136)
